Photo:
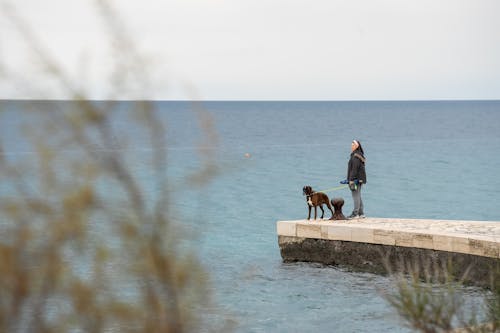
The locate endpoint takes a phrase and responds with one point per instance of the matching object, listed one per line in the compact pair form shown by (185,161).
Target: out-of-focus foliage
(429,299)
(85,246)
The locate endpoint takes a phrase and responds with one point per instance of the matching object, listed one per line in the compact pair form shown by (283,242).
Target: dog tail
(328,204)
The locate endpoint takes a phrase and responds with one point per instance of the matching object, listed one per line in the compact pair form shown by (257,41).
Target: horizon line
(243,100)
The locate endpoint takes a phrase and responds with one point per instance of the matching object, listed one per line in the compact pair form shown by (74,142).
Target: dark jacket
(356,167)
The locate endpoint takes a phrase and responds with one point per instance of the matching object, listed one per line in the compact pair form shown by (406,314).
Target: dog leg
(309,215)
(315,210)
(330,207)
(322,211)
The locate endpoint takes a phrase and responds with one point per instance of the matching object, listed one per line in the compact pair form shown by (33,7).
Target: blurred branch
(39,52)
(428,299)
(78,228)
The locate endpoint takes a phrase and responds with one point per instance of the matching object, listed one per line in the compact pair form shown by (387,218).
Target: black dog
(315,199)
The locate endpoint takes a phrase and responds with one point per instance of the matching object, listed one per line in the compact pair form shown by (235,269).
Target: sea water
(426,159)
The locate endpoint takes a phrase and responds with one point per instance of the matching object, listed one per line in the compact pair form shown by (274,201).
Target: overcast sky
(265,50)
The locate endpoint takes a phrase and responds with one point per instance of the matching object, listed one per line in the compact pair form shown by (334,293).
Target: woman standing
(356,177)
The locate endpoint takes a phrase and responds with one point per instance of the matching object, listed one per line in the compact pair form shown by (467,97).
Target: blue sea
(425,159)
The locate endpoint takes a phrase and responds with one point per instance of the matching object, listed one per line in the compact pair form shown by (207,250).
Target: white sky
(265,49)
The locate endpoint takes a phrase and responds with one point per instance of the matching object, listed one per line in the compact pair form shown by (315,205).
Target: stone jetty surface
(473,247)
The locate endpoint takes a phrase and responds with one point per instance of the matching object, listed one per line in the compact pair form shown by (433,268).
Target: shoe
(353,216)
(362,216)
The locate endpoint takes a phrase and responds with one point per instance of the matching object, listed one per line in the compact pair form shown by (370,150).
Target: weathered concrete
(375,244)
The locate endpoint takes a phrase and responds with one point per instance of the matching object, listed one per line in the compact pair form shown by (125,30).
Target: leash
(334,188)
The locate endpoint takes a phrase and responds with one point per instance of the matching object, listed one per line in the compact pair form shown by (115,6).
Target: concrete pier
(371,244)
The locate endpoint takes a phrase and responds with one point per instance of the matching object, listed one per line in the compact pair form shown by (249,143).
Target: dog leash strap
(334,188)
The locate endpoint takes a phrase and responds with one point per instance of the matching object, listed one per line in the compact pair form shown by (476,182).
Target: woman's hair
(360,148)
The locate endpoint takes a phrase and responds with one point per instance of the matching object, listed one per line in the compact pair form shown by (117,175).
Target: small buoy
(247,155)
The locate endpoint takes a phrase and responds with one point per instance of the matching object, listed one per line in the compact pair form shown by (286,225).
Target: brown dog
(315,199)
(337,204)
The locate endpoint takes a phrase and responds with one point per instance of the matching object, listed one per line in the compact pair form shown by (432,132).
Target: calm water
(424,160)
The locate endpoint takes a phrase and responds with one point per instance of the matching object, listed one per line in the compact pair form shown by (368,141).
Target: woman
(356,177)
